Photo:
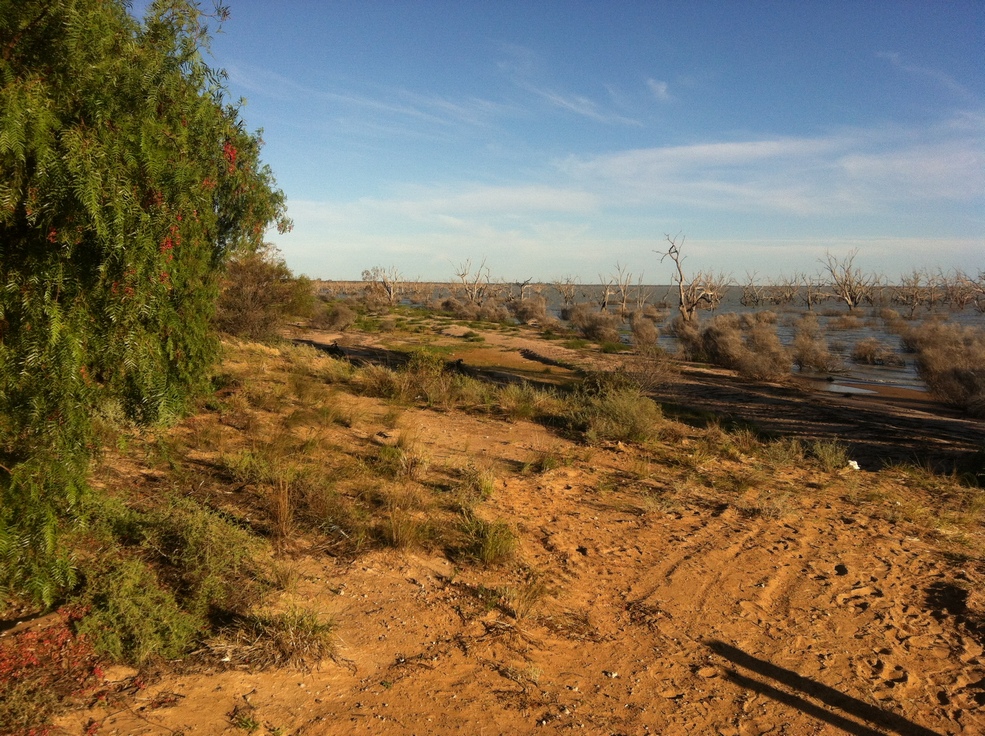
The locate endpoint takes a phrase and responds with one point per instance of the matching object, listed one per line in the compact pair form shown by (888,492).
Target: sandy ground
(629,614)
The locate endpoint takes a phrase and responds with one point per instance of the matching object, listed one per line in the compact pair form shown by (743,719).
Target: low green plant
(488,542)
(544,462)
(402,529)
(613,413)
(132,616)
(519,400)
(475,484)
(831,455)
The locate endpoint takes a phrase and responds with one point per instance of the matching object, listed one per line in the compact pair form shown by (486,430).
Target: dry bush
(594,325)
(493,311)
(871,351)
(645,332)
(810,349)
(295,638)
(533,309)
(755,352)
(748,319)
(652,368)
(951,361)
(689,338)
(721,341)
(845,322)
(459,309)
(333,316)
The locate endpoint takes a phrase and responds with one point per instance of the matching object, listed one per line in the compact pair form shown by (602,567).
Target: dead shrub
(593,325)
(810,349)
(333,316)
(755,352)
(688,335)
(951,361)
(645,332)
(533,309)
(845,322)
(748,319)
(871,351)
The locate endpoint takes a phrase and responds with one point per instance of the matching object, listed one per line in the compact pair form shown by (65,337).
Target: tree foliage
(126,180)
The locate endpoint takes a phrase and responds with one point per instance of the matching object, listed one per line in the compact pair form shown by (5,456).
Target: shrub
(810,349)
(519,400)
(533,309)
(614,413)
(204,557)
(645,332)
(951,361)
(334,316)
(871,351)
(755,352)
(845,322)
(830,455)
(488,542)
(41,668)
(764,358)
(132,615)
(594,325)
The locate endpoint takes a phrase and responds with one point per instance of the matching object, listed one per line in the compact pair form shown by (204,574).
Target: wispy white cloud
(660,90)
(935,75)
(526,70)
(396,107)
(849,172)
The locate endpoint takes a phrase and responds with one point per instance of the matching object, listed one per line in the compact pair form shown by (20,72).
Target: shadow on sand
(839,706)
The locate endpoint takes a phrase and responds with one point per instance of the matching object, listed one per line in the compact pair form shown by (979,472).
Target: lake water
(841,338)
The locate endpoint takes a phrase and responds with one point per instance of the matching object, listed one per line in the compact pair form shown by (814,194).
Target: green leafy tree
(126,181)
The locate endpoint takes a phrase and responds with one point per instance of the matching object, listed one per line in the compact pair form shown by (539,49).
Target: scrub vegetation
(177,430)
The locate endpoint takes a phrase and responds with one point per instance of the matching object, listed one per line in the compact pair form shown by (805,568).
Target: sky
(551,139)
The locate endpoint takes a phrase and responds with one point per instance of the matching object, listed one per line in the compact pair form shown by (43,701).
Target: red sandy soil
(637,609)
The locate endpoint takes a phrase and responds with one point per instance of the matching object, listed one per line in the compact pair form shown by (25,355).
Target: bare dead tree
(911,291)
(603,297)
(385,281)
(752,292)
(959,289)
(475,284)
(979,285)
(521,286)
(714,285)
(566,287)
(848,283)
(811,289)
(622,280)
(703,289)
(641,294)
(783,291)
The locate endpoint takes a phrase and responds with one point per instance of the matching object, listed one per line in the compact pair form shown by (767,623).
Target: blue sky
(562,138)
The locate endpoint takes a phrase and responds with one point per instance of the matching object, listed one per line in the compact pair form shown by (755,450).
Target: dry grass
(297,638)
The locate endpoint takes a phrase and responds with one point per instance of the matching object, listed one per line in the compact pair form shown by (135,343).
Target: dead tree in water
(703,289)
(848,282)
(386,281)
(475,285)
(566,287)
